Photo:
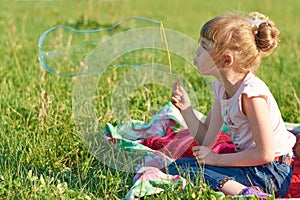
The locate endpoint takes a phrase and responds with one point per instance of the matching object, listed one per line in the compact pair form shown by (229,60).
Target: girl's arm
(204,133)
(256,110)
(198,129)
(214,124)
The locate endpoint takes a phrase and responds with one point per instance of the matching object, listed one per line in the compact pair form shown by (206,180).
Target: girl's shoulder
(253,86)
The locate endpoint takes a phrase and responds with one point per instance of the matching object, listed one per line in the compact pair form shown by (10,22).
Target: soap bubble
(109,66)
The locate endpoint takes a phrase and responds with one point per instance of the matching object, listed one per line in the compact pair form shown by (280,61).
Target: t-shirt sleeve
(256,89)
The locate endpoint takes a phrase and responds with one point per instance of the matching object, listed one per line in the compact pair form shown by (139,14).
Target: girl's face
(203,61)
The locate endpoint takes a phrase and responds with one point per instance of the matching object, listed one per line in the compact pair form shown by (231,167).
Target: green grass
(41,153)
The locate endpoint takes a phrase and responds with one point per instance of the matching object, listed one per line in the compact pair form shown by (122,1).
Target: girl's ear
(228,60)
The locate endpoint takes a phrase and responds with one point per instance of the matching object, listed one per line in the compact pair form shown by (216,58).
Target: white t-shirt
(238,125)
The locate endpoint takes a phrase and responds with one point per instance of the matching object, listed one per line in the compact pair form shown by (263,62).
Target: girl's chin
(204,73)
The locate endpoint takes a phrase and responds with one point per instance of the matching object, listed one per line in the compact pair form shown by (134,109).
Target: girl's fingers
(177,95)
(195,148)
(175,86)
(176,103)
(178,86)
(174,100)
(200,161)
(201,152)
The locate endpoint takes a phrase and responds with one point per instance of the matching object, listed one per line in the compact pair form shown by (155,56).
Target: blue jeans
(272,177)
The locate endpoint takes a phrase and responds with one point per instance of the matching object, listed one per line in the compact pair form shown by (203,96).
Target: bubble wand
(164,39)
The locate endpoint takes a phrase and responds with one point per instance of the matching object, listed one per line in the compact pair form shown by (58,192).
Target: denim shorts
(271,177)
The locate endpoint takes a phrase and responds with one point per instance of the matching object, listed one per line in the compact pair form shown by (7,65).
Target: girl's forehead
(205,42)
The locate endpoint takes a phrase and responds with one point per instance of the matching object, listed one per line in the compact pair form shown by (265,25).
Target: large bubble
(110,66)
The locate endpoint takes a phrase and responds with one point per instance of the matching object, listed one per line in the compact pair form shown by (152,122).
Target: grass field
(41,153)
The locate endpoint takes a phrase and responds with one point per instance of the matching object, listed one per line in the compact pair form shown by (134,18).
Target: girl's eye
(203,45)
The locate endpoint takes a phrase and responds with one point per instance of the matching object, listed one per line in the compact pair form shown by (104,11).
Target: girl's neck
(231,82)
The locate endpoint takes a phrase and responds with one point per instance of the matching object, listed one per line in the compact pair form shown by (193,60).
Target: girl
(231,48)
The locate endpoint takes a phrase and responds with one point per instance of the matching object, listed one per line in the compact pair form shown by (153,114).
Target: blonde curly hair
(250,37)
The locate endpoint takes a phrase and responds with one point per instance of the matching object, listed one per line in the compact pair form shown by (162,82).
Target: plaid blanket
(164,139)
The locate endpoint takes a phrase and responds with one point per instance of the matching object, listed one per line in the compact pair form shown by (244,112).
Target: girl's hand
(204,155)
(180,98)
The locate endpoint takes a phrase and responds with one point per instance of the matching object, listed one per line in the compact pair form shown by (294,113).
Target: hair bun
(266,34)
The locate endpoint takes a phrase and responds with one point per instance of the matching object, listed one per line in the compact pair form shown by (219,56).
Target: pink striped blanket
(166,134)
